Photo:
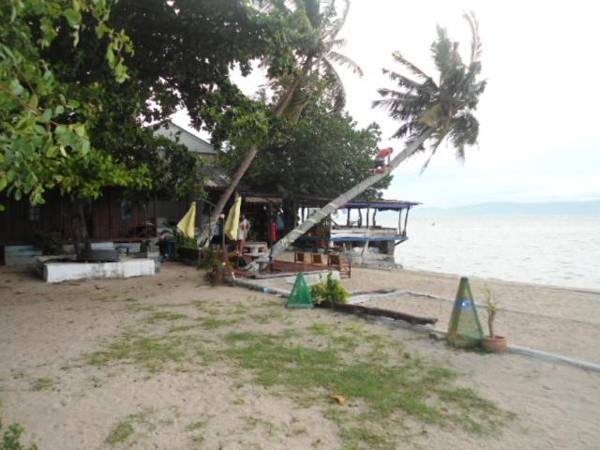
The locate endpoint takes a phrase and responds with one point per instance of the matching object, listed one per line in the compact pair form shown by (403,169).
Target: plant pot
(496,344)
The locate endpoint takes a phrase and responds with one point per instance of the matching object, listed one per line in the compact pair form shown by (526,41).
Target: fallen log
(396,315)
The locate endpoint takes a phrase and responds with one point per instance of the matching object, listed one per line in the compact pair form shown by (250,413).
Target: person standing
(243,230)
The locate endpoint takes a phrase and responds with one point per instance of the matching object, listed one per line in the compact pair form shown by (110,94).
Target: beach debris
(300,296)
(340,399)
(464,329)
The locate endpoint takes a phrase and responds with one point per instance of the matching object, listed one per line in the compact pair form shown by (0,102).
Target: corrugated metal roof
(194,143)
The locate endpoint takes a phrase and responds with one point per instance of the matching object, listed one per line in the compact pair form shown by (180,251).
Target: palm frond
(337,43)
(475,40)
(443,110)
(336,87)
(406,63)
(343,60)
(406,82)
(312,10)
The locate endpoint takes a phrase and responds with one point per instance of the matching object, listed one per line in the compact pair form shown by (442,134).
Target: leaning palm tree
(317,61)
(431,111)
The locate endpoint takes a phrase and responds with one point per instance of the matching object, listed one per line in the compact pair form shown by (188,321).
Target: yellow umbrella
(233,220)
(187,223)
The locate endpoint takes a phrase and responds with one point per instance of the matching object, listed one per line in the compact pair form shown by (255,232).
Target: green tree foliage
(308,37)
(72,115)
(324,154)
(44,137)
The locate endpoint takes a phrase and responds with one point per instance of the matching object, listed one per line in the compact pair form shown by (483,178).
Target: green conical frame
(300,296)
(464,329)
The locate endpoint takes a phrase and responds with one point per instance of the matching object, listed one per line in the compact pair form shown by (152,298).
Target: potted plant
(493,343)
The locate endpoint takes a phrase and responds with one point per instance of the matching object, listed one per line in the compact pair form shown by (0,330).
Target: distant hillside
(508,208)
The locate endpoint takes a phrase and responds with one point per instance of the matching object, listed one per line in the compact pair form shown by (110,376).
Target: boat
(363,241)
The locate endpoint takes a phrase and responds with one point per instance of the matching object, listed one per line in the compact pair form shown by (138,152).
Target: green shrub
(182,241)
(11,437)
(330,290)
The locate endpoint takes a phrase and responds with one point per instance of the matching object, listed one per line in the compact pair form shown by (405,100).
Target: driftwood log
(396,315)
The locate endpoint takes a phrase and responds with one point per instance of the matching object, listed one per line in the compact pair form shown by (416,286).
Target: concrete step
(20,255)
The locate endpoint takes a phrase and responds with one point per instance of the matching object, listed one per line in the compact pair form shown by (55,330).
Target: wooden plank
(396,315)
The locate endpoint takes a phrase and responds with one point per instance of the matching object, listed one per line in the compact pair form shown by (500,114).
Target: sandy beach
(71,375)
(553,319)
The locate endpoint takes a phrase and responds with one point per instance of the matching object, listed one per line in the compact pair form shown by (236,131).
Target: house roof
(216,178)
(193,142)
(381,205)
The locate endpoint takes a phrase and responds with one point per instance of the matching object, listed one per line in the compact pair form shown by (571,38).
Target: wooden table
(256,249)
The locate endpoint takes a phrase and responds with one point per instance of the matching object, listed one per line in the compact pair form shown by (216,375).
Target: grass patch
(254,422)
(42,384)
(356,437)
(182,328)
(267,317)
(165,316)
(120,433)
(135,306)
(409,387)
(320,329)
(124,429)
(210,323)
(195,426)
(151,352)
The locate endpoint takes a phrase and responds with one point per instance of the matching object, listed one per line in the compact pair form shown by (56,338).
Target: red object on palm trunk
(384,153)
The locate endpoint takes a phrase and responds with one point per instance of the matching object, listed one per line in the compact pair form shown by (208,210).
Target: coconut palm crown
(318,57)
(442,108)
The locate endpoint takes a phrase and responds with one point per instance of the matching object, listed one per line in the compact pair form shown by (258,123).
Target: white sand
(45,330)
(552,319)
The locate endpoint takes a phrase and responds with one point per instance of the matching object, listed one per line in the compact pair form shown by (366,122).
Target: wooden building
(112,217)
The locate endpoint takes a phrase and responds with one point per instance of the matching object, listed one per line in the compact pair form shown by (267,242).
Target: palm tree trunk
(278,110)
(335,204)
(226,195)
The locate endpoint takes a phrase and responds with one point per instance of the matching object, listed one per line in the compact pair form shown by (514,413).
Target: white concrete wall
(55,272)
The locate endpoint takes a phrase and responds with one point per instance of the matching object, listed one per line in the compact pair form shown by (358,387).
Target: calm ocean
(557,250)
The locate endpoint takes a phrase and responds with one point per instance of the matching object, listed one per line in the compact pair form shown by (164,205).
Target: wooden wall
(109,219)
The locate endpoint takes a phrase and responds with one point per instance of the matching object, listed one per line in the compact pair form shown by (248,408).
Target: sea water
(555,250)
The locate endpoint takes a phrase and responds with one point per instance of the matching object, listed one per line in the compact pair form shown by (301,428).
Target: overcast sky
(540,136)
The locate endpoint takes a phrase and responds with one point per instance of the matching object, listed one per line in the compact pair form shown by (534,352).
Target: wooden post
(400,222)
(269,225)
(374,215)
(155,217)
(405,221)
(348,219)
(368,211)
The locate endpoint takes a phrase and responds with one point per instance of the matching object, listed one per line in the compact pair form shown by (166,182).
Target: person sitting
(382,159)
(243,229)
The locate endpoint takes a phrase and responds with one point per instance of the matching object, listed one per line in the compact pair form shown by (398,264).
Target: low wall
(55,272)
